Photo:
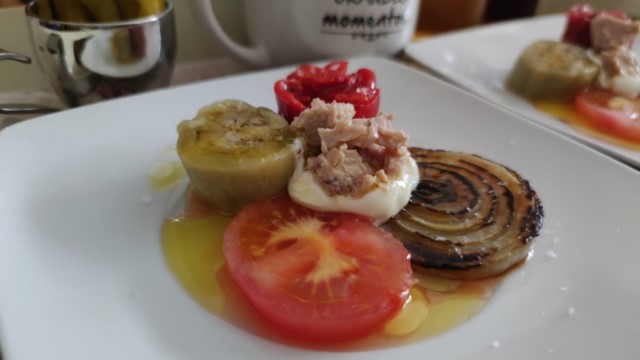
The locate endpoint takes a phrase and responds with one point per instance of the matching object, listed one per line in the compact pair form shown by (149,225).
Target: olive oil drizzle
(192,245)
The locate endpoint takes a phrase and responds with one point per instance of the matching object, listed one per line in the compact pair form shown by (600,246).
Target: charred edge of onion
(505,246)
(531,227)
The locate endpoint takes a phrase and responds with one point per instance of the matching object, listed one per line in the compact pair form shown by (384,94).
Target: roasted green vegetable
(235,153)
(552,70)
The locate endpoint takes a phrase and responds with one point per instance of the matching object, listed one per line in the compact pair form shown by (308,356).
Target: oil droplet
(445,314)
(435,283)
(193,249)
(495,344)
(166,175)
(146,199)
(412,315)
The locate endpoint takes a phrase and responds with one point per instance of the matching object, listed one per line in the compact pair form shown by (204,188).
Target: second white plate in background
(480,59)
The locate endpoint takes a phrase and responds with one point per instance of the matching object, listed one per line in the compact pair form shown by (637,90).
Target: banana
(44,9)
(102,10)
(235,153)
(150,7)
(70,10)
(131,9)
(128,8)
(552,70)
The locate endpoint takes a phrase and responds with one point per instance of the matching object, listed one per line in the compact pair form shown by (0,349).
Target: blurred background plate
(480,59)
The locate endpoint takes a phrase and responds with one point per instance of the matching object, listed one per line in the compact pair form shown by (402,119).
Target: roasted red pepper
(329,83)
(578,23)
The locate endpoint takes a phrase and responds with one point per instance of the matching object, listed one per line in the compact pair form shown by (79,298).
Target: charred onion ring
(469,217)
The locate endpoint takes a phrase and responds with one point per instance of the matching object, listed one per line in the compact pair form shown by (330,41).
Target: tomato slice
(610,114)
(317,277)
(329,83)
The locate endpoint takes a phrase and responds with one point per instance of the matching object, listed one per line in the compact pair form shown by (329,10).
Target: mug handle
(255,56)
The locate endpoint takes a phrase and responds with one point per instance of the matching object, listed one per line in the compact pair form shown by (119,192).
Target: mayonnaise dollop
(380,203)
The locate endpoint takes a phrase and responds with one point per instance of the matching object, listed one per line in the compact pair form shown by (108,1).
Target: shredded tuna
(611,39)
(619,62)
(321,115)
(392,139)
(354,155)
(609,32)
(345,133)
(342,171)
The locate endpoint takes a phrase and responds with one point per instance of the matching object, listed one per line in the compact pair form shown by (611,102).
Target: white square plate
(82,273)
(480,59)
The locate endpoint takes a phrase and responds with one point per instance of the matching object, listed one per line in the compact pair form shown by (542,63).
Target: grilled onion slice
(468,218)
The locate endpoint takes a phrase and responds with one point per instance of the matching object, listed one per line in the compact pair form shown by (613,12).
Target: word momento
(370,27)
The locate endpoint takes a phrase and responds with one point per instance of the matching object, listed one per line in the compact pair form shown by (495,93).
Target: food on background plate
(469,217)
(610,114)
(235,153)
(590,79)
(308,255)
(552,70)
(329,83)
(83,11)
(351,164)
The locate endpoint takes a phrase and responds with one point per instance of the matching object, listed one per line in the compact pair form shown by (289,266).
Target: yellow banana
(128,8)
(150,7)
(70,10)
(131,9)
(44,9)
(102,10)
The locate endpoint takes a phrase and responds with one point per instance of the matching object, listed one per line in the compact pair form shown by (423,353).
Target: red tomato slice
(318,277)
(610,114)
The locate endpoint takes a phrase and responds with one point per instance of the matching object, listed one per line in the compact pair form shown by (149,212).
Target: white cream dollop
(624,85)
(380,203)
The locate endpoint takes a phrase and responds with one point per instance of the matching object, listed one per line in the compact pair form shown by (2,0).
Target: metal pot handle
(21,109)
(6,55)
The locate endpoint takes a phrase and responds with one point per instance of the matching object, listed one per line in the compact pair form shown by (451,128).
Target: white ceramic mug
(290,31)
